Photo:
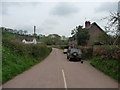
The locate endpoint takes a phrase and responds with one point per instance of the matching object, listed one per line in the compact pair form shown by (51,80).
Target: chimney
(87,23)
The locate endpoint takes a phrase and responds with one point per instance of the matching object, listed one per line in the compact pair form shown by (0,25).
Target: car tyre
(81,61)
(67,57)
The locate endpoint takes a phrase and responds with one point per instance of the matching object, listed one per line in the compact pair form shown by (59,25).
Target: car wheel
(67,57)
(81,61)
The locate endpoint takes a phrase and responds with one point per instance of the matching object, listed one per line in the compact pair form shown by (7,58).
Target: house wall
(94,33)
(34,41)
(29,42)
(24,41)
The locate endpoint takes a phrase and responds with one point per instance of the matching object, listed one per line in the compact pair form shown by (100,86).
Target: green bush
(32,50)
(63,46)
(13,64)
(87,52)
(17,57)
(107,52)
(109,67)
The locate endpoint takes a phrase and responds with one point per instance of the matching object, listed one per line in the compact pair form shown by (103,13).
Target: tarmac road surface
(57,72)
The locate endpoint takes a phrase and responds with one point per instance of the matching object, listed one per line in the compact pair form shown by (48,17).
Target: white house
(29,41)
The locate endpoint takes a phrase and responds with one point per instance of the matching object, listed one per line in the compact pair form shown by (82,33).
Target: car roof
(74,49)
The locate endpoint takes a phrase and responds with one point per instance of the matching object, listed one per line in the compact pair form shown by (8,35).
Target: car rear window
(76,50)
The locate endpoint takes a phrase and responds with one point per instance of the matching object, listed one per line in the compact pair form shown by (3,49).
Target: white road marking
(65,84)
(1,87)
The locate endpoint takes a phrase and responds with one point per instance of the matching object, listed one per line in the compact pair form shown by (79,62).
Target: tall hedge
(105,52)
(32,50)
(18,57)
(87,52)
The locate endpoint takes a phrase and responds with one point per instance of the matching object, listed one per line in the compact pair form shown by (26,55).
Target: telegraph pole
(34,31)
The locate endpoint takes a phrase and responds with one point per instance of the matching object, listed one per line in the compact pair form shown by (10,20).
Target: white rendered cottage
(29,41)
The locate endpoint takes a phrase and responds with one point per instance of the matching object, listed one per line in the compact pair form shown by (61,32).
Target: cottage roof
(97,26)
(26,38)
(94,23)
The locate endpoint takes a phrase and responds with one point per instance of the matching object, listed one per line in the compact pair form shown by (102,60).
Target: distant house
(27,40)
(94,31)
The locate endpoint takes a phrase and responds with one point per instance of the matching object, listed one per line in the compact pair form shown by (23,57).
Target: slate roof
(94,23)
(26,38)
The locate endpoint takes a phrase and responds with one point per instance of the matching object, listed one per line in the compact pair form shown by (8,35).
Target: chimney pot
(87,23)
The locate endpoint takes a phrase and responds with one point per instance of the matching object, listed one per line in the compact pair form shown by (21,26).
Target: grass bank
(105,58)
(109,67)
(18,57)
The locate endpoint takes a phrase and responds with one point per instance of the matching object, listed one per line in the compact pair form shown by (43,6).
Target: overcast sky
(54,17)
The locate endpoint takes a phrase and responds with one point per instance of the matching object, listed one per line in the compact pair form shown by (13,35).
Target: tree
(51,39)
(20,32)
(15,31)
(64,40)
(80,35)
(113,26)
(55,38)
(25,32)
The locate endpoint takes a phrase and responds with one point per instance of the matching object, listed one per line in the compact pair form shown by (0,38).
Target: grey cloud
(47,24)
(65,9)
(4,10)
(107,7)
(51,22)
(6,5)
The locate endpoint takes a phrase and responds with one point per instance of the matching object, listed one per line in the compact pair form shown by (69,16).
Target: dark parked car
(74,54)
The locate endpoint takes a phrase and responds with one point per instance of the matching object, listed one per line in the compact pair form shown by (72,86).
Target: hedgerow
(18,57)
(87,52)
(105,52)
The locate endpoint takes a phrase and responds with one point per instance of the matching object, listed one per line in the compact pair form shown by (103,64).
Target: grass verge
(109,67)
(14,64)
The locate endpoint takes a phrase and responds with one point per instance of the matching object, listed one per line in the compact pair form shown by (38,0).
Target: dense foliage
(53,39)
(81,35)
(87,52)
(18,57)
(105,52)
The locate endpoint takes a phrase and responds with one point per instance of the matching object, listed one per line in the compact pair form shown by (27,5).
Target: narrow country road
(57,72)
